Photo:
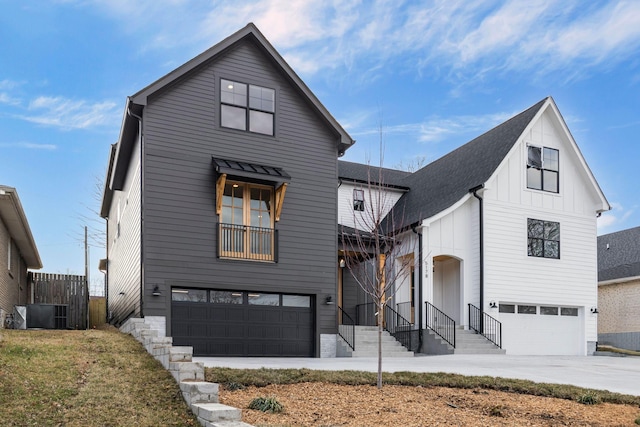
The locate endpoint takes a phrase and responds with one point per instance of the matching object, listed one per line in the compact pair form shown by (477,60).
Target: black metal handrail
(394,323)
(441,324)
(247,242)
(397,326)
(367,314)
(406,310)
(485,325)
(347,329)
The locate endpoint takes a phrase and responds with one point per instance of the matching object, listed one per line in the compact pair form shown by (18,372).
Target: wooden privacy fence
(67,289)
(97,311)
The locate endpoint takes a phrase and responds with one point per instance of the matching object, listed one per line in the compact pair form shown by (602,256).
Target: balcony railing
(247,242)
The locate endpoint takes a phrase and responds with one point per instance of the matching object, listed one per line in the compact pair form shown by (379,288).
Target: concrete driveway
(617,374)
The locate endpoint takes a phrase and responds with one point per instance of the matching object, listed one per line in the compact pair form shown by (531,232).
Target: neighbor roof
(15,220)
(619,255)
(358,172)
(445,181)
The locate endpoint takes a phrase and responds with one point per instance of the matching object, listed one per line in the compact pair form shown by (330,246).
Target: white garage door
(542,330)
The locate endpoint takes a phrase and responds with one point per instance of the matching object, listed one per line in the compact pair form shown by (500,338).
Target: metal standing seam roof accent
(251,170)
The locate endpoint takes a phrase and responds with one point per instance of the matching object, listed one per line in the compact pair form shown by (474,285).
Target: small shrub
(233,386)
(497,411)
(637,421)
(266,404)
(589,399)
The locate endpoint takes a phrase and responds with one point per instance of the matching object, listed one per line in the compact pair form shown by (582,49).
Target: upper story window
(543,238)
(247,107)
(542,168)
(358,200)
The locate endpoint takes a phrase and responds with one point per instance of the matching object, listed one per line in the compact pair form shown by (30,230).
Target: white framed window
(543,165)
(247,107)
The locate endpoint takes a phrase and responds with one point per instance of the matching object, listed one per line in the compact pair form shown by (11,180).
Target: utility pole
(86,273)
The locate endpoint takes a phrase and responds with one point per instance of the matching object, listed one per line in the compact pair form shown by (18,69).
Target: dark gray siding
(179,236)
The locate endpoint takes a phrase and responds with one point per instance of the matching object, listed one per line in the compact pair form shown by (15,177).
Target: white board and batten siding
(513,277)
(382,202)
(123,243)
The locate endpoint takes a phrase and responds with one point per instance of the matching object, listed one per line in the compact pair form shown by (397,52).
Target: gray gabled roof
(14,218)
(361,173)
(442,183)
(135,103)
(619,255)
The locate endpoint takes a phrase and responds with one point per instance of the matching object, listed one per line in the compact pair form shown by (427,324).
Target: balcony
(246,242)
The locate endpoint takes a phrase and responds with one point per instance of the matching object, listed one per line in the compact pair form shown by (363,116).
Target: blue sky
(431,74)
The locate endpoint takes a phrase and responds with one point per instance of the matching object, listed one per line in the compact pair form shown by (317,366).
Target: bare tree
(376,250)
(413,165)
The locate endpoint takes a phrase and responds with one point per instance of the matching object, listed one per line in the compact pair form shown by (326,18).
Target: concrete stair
(366,344)
(200,395)
(469,342)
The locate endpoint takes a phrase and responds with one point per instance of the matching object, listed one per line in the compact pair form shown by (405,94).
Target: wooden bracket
(280,191)
(222,179)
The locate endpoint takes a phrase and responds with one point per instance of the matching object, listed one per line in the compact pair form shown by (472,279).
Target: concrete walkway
(617,374)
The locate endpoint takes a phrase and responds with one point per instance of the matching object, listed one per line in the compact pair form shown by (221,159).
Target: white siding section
(381,200)
(510,274)
(124,245)
(454,234)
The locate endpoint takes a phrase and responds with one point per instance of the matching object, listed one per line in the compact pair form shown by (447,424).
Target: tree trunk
(380,317)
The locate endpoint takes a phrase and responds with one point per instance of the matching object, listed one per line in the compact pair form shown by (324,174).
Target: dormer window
(542,168)
(247,107)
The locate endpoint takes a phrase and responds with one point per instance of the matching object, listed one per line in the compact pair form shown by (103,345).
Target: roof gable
(135,104)
(15,220)
(445,181)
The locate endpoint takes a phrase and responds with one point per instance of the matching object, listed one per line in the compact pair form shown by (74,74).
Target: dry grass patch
(80,378)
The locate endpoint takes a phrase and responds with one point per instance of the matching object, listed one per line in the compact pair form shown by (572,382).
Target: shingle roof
(443,182)
(619,255)
(359,172)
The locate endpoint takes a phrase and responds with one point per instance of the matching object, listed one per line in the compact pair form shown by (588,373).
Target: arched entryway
(447,286)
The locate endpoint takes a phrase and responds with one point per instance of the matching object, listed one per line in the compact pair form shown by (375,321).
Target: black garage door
(232,323)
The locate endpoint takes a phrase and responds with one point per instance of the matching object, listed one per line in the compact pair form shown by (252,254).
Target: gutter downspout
(475,190)
(140,127)
(414,229)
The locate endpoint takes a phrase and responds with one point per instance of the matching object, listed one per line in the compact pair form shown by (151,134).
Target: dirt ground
(321,404)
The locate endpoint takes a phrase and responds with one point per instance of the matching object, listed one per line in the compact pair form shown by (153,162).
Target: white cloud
(30,146)
(615,218)
(69,114)
(460,39)
(7,99)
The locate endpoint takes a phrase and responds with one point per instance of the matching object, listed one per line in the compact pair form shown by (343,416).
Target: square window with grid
(543,238)
(543,168)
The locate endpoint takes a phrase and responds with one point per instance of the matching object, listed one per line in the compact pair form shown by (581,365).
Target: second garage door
(235,323)
(542,329)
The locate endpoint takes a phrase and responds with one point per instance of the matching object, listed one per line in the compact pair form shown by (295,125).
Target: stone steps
(469,342)
(200,395)
(366,344)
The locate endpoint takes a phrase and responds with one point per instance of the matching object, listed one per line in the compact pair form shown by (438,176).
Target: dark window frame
(245,103)
(542,167)
(541,244)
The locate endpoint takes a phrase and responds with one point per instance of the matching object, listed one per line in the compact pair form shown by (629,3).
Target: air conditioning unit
(47,316)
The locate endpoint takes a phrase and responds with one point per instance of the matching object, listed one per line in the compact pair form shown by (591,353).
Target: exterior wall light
(156,291)
(594,310)
(329,300)
(493,304)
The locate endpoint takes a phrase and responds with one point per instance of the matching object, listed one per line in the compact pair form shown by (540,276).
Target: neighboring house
(507,223)
(619,289)
(18,253)
(221,204)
